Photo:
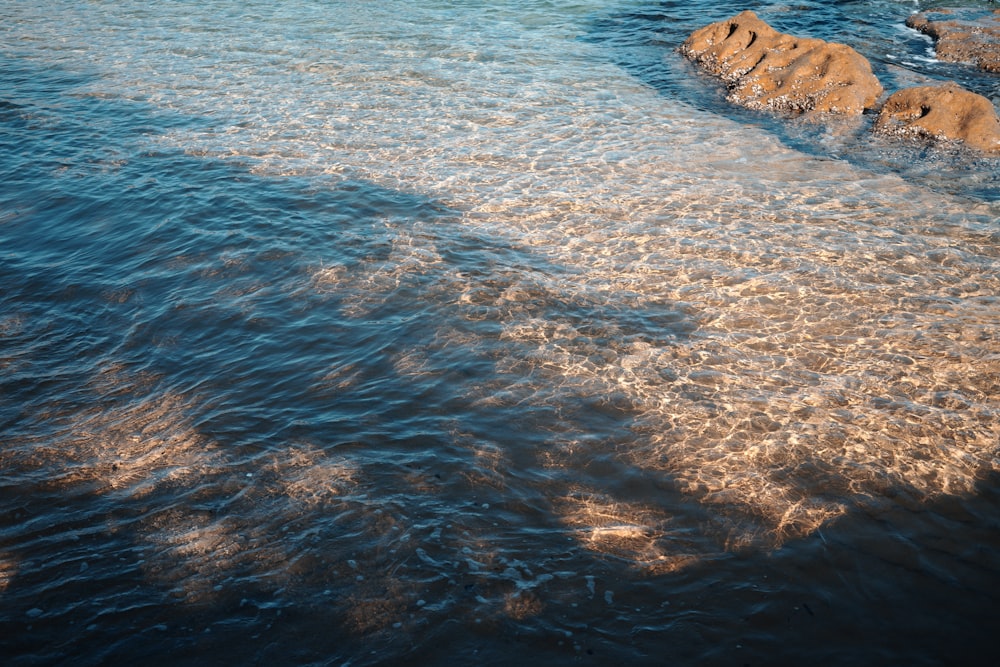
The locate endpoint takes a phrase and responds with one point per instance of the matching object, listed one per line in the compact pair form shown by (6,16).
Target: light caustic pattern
(651,290)
(779,370)
(790,345)
(792,335)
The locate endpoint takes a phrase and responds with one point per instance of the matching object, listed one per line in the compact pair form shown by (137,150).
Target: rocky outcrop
(946,112)
(766,69)
(963,35)
(769,70)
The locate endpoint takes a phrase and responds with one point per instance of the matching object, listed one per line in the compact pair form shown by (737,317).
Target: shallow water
(372,333)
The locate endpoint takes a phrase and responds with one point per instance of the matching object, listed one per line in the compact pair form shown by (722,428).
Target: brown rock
(944,112)
(963,36)
(766,69)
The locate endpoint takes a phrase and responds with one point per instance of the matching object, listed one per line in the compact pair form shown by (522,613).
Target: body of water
(450,333)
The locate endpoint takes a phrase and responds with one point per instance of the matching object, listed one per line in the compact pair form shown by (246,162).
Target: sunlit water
(483,333)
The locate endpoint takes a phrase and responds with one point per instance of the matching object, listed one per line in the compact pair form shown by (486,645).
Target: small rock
(962,36)
(942,112)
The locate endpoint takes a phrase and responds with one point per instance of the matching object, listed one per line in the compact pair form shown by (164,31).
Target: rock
(766,69)
(963,36)
(942,112)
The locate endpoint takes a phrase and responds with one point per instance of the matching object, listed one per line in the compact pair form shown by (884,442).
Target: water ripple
(349,334)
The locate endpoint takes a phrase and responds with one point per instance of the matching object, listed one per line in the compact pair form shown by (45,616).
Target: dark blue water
(351,333)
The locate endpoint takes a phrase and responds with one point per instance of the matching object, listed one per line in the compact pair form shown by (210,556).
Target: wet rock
(766,69)
(963,35)
(942,112)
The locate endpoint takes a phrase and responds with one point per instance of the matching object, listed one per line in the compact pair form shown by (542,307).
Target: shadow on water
(894,583)
(644,43)
(251,418)
(934,585)
(136,278)
(158,331)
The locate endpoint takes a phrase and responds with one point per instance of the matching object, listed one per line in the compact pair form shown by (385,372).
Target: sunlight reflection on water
(362,334)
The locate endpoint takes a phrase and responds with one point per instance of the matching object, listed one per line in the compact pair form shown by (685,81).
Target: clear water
(451,333)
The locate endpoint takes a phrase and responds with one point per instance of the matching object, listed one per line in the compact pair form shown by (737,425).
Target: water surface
(372,333)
